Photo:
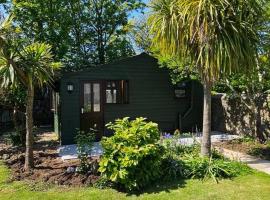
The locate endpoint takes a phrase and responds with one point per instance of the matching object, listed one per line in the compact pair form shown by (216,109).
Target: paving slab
(68,152)
(215,137)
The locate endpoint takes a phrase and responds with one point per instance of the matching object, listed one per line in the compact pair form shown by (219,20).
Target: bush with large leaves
(132,157)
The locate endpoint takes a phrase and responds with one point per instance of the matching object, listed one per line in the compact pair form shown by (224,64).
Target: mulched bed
(251,148)
(49,167)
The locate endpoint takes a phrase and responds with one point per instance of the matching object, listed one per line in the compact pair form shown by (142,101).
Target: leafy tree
(29,65)
(81,32)
(216,37)
(46,21)
(140,34)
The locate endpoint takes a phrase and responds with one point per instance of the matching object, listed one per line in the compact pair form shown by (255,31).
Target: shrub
(84,143)
(172,168)
(185,161)
(132,156)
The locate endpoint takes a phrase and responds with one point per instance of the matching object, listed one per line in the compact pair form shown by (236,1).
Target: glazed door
(92,107)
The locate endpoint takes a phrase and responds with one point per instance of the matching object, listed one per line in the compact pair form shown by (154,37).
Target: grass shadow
(161,186)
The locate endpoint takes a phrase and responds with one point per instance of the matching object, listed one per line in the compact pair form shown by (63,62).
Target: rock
(71,170)
(5,156)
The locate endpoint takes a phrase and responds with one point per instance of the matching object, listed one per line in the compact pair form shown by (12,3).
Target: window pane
(111,96)
(87,97)
(96,91)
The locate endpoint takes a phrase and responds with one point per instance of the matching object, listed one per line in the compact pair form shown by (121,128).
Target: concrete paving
(215,137)
(68,152)
(251,161)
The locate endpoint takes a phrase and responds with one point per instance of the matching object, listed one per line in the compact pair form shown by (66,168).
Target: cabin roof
(95,67)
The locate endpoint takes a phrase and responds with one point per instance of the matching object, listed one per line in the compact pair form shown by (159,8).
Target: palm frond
(38,63)
(219,36)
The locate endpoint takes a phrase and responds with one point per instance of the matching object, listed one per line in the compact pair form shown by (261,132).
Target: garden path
(251,161)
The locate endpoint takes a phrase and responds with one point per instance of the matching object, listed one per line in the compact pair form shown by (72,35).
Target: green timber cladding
(150,95)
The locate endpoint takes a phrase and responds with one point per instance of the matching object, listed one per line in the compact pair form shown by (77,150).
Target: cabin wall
(150,95)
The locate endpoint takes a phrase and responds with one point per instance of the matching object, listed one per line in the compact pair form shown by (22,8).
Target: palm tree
(217,36)
(31,66)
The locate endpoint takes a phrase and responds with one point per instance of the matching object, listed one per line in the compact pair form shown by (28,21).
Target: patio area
(68,152)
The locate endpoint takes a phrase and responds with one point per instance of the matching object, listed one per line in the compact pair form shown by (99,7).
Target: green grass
(253,186)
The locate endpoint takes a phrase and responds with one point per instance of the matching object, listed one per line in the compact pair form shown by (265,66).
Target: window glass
(96,93)
(111,96)
(117,92)
(87,97)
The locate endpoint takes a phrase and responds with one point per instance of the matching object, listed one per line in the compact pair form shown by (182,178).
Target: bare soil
(49,167)
(251,148)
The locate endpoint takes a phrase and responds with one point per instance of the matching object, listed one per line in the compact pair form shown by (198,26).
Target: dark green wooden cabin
(132,87)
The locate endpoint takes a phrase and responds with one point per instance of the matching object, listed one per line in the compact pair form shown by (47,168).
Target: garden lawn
(253,186)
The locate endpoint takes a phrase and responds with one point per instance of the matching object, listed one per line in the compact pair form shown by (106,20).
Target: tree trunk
(29,158)
(206,137)
(101,51)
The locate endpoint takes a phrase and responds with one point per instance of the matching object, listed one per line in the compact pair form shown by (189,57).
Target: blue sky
(136,14)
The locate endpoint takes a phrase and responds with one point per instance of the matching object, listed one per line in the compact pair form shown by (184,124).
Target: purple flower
(167,136)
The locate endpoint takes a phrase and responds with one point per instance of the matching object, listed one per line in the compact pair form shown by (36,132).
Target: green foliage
(174,149)
(257,81)
(172,168)
(208,35)
(140,34)
(84,143)
(244,139)
(103,183)
(82,32)
(185,162)
(13,97)
(202,167)
(132,156)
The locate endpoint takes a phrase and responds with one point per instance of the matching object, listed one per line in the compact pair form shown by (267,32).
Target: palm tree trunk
(29,158)
(206,137)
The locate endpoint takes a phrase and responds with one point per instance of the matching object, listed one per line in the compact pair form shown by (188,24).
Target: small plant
(185,161)
(177,132)
(172,168)
(203,168)
(103,183)
(16,138)
(245,139)
(132,156)
(260,150)
(175,148)
(84,143)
